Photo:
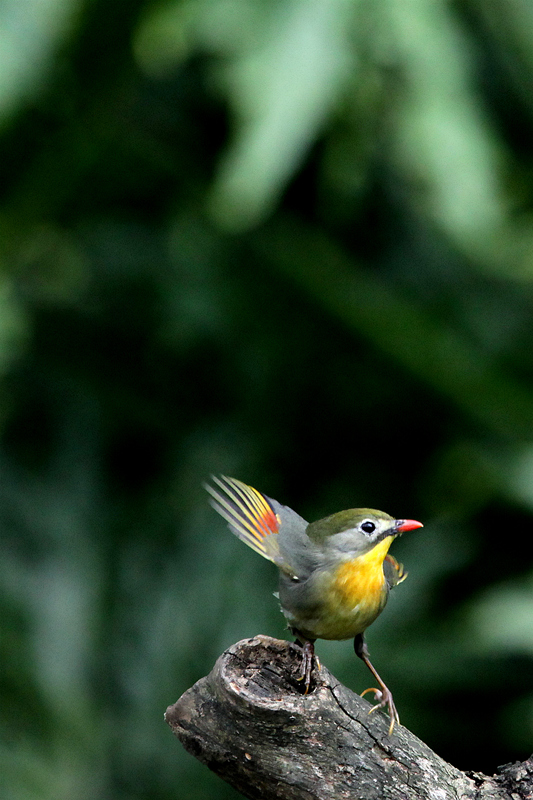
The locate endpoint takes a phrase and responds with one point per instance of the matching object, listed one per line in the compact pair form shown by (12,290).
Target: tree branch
(249,722)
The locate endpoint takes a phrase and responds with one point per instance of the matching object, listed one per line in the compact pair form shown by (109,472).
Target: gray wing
(394,572)
(295,546)
(274,531)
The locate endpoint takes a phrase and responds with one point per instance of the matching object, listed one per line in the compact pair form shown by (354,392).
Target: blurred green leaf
(31,33)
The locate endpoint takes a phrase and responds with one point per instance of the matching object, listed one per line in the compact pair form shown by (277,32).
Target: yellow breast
(356,593)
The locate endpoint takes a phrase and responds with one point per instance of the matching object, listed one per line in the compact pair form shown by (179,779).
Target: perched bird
(334,574)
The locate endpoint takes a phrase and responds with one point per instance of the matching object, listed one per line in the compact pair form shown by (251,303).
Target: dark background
(290,242)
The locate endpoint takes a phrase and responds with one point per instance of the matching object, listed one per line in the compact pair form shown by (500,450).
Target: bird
(335,574)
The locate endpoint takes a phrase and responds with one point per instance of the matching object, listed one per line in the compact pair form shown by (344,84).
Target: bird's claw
(307,665)
(384,698)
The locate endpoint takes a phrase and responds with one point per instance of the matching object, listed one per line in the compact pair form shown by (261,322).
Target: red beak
(407,525)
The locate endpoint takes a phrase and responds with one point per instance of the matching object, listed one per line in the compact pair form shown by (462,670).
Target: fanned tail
(248,513)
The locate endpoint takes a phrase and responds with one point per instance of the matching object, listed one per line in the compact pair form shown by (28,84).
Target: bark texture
(249,722)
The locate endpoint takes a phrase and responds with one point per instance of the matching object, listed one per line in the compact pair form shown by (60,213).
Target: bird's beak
(402,525)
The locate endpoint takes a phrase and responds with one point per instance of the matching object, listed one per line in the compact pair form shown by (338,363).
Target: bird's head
(351,533)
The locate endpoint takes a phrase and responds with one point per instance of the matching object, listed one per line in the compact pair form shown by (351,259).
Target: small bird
(334,574)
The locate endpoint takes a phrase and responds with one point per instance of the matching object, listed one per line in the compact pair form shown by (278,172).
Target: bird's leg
(308,654)
(383,694)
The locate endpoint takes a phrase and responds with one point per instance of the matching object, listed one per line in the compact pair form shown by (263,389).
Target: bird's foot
(308,655)
(385,700)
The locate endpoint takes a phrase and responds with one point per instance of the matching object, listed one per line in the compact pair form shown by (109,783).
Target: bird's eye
(368,527)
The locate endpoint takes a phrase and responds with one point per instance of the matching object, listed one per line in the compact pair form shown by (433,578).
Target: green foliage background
(291,242)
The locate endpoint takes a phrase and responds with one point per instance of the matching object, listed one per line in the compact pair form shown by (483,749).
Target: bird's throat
(361,580)
(349,597)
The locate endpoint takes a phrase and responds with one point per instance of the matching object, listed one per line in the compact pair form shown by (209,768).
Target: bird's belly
(347,601)
(352,604)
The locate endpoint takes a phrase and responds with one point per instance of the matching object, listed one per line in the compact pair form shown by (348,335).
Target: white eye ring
(367,526)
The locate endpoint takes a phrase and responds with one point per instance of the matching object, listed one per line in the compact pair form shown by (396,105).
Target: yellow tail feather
(248,513)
